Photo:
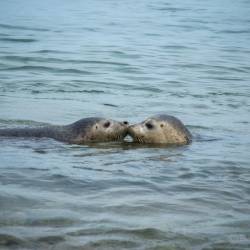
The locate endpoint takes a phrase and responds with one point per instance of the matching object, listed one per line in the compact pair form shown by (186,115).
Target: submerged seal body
(162,129)
(92,129)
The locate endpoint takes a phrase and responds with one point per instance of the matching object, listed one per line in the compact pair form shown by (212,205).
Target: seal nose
(125,122)
(131,130)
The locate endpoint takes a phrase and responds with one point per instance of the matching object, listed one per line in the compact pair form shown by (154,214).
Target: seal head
(95,129)
(160,129)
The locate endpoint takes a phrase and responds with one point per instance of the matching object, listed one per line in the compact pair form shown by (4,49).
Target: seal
(92,129)
(160,129)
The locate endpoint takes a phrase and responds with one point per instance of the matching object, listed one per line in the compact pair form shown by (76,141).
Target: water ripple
(58,60)
(18,40)
(47,69)
(17,27)
(62,62)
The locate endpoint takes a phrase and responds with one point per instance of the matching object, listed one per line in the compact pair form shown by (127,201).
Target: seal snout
(131,129)
(125,125)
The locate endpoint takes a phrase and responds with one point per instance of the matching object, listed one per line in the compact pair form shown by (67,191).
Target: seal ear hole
(106,124)
(162,125)
(149,125)
(96,127)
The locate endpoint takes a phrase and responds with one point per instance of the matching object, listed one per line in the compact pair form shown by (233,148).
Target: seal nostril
(125,123)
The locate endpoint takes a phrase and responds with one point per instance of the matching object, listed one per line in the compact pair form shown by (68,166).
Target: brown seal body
(160,129)
(92,129)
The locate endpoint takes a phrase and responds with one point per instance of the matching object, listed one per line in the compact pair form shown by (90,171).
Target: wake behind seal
(86,130)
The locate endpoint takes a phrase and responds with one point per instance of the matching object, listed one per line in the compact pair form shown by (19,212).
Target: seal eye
(162,125)
(149,125)
(106,124)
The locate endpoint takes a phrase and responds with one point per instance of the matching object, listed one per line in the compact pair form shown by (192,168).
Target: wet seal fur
(92,129)
(160,129)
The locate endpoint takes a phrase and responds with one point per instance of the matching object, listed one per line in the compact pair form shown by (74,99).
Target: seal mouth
(120,136)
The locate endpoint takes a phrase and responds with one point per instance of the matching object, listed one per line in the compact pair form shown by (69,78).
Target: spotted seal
(92,129)
(162,129)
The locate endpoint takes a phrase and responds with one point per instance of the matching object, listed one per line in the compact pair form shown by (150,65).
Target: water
(61,61)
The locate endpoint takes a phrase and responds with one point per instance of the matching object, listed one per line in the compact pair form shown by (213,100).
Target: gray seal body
(92,129)
(160,129)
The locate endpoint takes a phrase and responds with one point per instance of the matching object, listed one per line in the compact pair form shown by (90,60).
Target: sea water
(61,61)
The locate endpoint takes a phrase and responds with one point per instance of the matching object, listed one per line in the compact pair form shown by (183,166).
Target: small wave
(110,105)
(247,31)
(94,169)
(22,122)
(18,40)
(33,168)
(92,91)
(142,233)
(198,127)
(228,94)
(150,89)
(58,60)
(98,62)
(9,240)
(47,51)
(234,79)
(152,34)
(176,47)
(4,34)
(187,176)
(110,244)
(122,54)
(206,138)
(39,151)
(20,58)
(52,239)
(230,69)
(55,222)
(179,26)
(47,69)
(172,9)
(39,222)
(16,27)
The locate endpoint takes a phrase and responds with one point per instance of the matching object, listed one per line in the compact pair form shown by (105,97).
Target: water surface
(64,60)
